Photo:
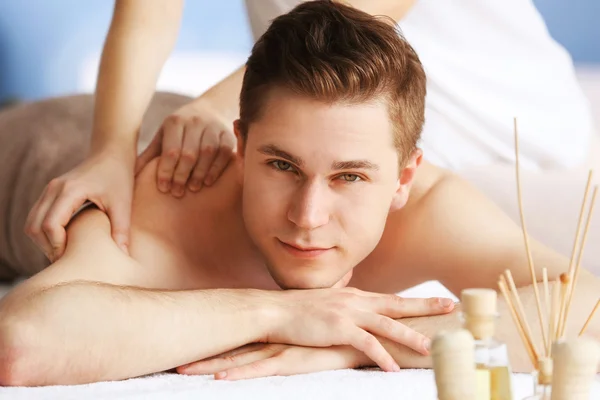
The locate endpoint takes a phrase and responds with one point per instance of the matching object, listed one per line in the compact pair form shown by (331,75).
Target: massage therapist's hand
(261,360)
(106,179)
(194,144)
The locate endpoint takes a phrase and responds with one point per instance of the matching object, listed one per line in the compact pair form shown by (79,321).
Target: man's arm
(462,239)
(97,314)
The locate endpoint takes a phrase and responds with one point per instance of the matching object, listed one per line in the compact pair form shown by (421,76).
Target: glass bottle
(479,315)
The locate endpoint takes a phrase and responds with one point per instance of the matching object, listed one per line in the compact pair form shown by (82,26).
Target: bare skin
(183,293)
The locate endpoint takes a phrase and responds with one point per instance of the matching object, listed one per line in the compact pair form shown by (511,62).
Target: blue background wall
(41,39)
(576,25)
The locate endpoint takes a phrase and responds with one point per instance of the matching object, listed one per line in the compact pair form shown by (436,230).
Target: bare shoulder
(174,221)
(398,261)
(92,255)
(428,177)
(448,231)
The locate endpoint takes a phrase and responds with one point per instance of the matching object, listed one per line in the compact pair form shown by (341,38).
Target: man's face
(319,182)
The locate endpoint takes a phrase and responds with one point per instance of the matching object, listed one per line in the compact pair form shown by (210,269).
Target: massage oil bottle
(479,314)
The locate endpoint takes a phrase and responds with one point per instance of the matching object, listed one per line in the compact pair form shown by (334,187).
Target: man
(328,189)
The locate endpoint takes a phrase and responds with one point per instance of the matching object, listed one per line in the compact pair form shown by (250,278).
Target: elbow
(21,351)
(11,374)
(17,364)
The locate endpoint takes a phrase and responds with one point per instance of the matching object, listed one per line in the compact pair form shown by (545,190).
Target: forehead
(307,125)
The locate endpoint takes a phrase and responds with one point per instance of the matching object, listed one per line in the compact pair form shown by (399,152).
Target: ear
(406,179)
(240,143)
(241,146)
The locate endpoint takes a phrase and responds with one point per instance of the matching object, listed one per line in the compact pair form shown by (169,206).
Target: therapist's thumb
(120,216)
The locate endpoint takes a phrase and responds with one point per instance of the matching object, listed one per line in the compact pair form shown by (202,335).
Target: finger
(239,350)
(192,136)
(396,331)
(301,361)
(256,369)
(151,152)
(395,306)
(171,150)
(222,363)
(222,159)
(59,215)
(208,151)
(119,215)
(368,344)
(33,225)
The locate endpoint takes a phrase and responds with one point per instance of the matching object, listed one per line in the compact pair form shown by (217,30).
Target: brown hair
(335,53)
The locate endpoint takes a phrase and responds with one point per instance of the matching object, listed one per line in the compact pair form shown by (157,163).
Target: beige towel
(38,142)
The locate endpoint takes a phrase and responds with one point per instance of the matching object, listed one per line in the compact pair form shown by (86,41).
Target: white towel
(342,384)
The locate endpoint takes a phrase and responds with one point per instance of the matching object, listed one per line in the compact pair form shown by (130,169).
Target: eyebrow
(272,150)
(354,164)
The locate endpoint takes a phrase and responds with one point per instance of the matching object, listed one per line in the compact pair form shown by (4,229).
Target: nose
(309,209)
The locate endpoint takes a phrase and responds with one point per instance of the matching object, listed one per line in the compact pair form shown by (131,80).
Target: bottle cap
(479,312)
(479,302)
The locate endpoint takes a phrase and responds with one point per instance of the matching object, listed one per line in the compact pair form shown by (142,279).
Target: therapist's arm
(142,34)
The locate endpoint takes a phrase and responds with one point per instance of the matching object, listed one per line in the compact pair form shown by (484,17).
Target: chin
(289,280)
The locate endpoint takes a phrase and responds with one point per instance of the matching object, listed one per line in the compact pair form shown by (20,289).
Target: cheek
(265,200)
(364,216)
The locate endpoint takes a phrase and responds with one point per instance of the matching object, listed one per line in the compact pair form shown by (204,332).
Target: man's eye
(282,165)
(350,177)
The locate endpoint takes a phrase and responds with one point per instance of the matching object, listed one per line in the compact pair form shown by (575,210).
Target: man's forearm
(586,296)
(224,96)
(85,332)
(140,39)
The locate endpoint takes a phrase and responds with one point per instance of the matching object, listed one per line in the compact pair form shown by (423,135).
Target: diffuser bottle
(479,314)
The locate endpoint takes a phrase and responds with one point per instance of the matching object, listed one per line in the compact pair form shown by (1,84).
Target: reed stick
(575,277)
(589,318)
(553,315)
(520,309)
(580,222)
(547,306)
(527,343)
(526,237)
(564,288)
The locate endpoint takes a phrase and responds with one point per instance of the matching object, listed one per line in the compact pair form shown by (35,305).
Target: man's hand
(328,329)
(261,360)
(194,145)
(106,179)
(349,316)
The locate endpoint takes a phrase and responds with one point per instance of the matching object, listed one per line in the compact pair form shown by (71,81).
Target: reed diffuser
(553,314)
